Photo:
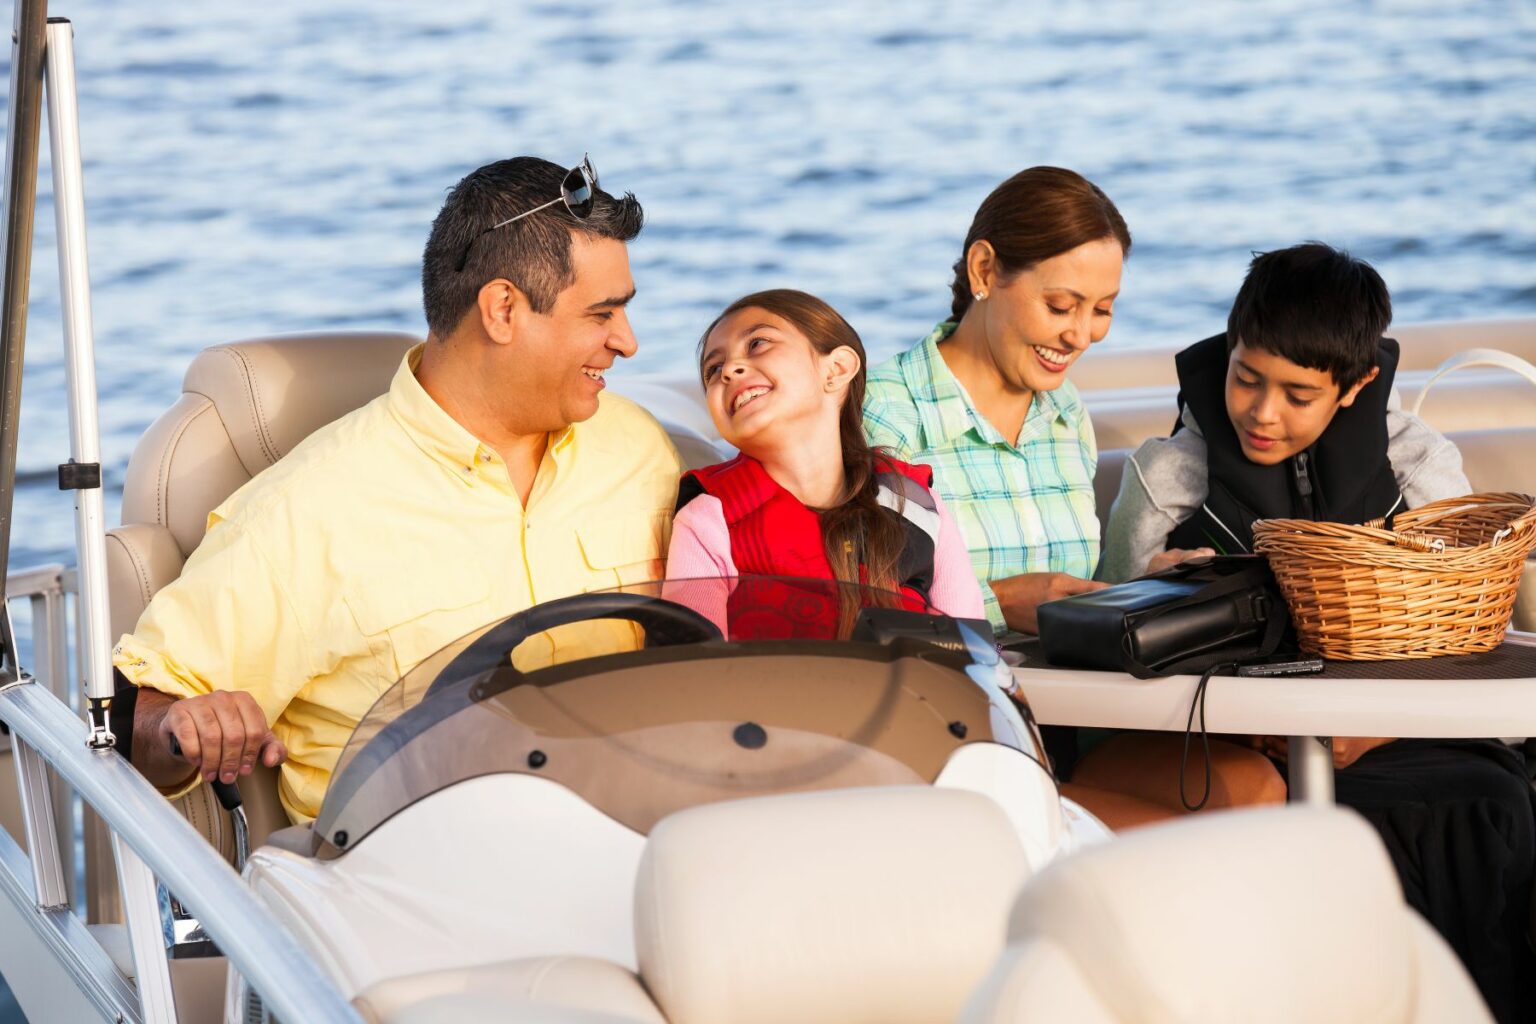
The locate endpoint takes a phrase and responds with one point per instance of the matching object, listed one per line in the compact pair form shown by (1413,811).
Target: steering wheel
(666,624)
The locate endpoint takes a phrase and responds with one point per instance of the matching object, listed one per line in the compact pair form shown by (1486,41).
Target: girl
(783,377)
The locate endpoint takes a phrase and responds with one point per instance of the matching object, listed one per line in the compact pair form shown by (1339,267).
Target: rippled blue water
(274,167)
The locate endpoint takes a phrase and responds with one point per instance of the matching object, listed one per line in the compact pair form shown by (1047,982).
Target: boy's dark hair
(1315,305)
(533,253)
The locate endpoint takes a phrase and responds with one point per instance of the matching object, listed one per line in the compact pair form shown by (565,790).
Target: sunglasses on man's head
(578,191)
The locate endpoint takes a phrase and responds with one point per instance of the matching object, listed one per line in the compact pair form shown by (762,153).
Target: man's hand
(1349,749)
(1019,596)
(1173,556)
(221,735)
(1346,749)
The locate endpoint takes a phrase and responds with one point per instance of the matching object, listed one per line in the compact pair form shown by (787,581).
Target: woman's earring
(830,384)
(980,295)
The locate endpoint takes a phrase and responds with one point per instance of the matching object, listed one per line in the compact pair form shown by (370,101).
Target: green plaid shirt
(1026,507)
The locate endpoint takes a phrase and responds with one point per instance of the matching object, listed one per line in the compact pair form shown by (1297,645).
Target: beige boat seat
(243,406)
(1424,347)
(558,989)
(1269,915)
(843,905)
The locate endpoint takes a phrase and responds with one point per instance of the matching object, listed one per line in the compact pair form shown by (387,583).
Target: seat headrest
(272,393)
(879,904)
(1261,915)
(244,406)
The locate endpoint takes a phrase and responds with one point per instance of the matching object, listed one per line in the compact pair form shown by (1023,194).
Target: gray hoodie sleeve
(1426,463)
(1164,482)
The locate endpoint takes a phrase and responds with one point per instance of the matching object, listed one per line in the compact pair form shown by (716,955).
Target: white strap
(1487,357)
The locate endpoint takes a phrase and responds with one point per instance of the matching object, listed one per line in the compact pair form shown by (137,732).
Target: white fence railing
(38,893)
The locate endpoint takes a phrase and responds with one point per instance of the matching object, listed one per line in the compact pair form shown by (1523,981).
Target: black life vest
(1344,477)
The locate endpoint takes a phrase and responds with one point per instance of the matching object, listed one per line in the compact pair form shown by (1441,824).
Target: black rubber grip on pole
(228,793)
(79,476)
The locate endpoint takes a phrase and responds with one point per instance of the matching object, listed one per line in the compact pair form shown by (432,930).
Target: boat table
(1464,696)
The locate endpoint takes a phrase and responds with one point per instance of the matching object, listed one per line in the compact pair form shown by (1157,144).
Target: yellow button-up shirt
(381,538)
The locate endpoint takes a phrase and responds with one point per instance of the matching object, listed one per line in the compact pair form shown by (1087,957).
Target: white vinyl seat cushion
(1269,915)
(881,905)
(556,988)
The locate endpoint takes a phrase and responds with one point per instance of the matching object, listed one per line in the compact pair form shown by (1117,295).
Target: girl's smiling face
(765,383)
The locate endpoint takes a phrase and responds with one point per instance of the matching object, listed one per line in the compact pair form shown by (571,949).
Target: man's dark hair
(1315,305)
(533,253)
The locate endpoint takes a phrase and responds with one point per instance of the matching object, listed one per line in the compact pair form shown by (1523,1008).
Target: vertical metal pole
(1309,770)
(20,198)
(50,666)
(80,371)
(146,934)
(42,831)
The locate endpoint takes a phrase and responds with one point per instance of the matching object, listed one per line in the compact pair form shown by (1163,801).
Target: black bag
(1185,619)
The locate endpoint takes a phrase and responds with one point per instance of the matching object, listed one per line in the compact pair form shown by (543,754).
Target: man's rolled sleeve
(226,623)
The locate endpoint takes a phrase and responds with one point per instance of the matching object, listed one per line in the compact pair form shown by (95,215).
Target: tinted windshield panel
(676,714)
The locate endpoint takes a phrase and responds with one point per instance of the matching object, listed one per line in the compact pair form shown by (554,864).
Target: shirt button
(485,456)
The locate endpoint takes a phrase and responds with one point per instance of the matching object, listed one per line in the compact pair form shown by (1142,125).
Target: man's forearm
(151,755)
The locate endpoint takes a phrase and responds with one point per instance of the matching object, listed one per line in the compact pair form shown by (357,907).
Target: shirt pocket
(623,550)
(406,621)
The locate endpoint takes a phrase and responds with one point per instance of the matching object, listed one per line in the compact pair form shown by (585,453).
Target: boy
(1290,414)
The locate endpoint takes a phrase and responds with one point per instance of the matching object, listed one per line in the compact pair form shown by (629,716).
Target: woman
(984,399)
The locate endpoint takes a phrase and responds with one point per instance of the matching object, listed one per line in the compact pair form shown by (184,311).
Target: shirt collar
(439,434)
(946,410)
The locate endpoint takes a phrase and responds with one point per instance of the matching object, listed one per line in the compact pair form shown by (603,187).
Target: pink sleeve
(701,542)
(955,591)
(701,550)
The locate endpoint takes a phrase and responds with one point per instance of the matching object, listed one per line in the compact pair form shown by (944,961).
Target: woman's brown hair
(1036,214)
(857,530)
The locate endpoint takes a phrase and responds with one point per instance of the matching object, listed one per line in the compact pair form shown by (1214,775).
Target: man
(492,476)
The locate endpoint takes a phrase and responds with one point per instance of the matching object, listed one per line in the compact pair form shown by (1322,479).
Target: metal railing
(154,844)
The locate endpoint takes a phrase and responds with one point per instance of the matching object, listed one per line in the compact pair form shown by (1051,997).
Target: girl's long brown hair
(857,530)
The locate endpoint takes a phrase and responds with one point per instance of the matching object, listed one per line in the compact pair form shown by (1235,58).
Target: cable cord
(1205,738)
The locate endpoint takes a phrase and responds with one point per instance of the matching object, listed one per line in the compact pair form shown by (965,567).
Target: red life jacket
(774,534)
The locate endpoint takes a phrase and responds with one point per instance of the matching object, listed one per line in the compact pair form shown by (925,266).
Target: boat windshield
(654,697)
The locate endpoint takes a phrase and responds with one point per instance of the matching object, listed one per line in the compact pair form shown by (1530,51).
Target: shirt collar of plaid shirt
(947,412)
(440,435)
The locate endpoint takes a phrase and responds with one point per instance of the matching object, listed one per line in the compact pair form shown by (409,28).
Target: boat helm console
(650,698)
(501,793)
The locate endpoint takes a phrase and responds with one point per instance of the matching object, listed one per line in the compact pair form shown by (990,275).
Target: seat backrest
(1276,914)
(879,904)
(243,406)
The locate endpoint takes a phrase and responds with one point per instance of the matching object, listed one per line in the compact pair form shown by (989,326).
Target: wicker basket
(1443,582)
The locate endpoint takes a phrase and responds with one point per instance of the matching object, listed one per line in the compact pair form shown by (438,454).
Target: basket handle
(1485,357)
